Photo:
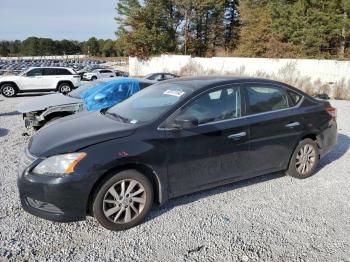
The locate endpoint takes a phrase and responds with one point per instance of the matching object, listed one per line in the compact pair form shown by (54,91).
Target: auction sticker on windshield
(174,93)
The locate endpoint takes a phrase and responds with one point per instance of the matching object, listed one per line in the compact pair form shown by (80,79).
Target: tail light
(333,112)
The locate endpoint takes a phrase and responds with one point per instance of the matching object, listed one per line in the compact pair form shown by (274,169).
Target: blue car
(88,97)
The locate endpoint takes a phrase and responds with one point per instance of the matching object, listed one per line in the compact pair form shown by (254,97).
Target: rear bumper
(327,140)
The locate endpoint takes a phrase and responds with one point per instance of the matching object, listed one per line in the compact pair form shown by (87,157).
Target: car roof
(50,67)
(199,82)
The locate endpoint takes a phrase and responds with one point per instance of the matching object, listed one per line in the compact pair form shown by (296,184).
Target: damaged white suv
(40,79)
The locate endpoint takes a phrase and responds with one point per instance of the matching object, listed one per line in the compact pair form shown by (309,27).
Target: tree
(254,34)
(30,47)
(4,48)
(314,28)
(108,48)
(91,47)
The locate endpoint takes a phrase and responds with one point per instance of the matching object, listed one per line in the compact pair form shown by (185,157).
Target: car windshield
(81,89)
(148,76)
(150,103)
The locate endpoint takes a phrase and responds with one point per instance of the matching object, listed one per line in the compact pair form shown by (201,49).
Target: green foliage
(188,26)
(252,28)
(263,28)
(34,46)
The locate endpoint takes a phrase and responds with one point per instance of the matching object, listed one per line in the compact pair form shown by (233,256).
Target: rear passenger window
(63,72)
(56,71)
(261,99)
(295,97)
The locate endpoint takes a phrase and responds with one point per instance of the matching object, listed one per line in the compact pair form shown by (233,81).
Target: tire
(117,211)
(296,167)
(65,88)
(93,78)
(9,90)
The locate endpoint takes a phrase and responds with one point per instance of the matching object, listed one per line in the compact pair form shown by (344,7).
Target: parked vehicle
(171,139)
(40,79)
(160,76)
(121,73)
(323,96)
(44,109)
(98,74)
(81,73)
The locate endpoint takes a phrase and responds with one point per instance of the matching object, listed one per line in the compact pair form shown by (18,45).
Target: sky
(57,19)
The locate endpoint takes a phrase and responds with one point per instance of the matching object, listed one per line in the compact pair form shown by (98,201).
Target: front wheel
(123,200)
(304,160)
(8,90)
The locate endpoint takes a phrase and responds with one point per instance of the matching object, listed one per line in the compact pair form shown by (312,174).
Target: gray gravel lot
(271,218)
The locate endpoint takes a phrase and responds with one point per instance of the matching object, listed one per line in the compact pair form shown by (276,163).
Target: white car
(98,74)
(40,79)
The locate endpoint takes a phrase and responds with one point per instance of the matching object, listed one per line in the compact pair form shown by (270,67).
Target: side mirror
(187,123)
(99,97)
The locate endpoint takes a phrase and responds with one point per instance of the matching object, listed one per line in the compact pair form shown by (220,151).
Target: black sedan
(171,139)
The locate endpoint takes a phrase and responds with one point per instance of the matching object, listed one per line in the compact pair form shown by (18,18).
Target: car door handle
(294,124)
(238,135)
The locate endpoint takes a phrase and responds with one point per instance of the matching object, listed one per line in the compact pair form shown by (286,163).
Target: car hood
(75,132)
(44,102)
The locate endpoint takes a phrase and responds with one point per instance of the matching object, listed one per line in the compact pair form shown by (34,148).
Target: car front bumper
(62,199)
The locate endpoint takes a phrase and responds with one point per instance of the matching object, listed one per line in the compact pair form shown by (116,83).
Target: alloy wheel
(65,89)
(305,159)
(124,201)
(8,90)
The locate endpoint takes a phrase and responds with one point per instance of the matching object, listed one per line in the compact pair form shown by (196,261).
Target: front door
(32,80)
(215,151)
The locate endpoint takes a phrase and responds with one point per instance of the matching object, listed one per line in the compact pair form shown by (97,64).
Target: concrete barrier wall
(328,71)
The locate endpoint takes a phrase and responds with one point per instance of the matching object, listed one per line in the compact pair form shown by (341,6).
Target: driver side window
(218,105)
(35,72)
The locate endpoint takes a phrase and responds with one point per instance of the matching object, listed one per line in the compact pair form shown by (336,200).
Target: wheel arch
(9,82)
(147,171)
(64,82)
(311,135)
(52,115)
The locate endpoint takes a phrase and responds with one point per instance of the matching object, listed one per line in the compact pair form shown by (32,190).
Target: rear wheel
(123,200)
(64,88)
(8,90)
(304,160)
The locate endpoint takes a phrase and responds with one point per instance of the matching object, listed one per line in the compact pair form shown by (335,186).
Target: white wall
(327,71)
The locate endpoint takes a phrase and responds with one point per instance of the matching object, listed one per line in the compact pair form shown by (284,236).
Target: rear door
(216,150)
(275,125)
(52,76)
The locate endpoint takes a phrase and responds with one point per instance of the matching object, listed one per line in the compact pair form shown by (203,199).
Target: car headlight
(59,165)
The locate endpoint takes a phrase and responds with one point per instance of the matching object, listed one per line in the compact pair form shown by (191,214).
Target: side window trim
(238,85)
(244,93)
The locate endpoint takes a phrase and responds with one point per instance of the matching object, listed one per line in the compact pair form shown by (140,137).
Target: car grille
(26,160)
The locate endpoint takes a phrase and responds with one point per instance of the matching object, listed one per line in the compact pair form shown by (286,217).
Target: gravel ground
(271,218)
